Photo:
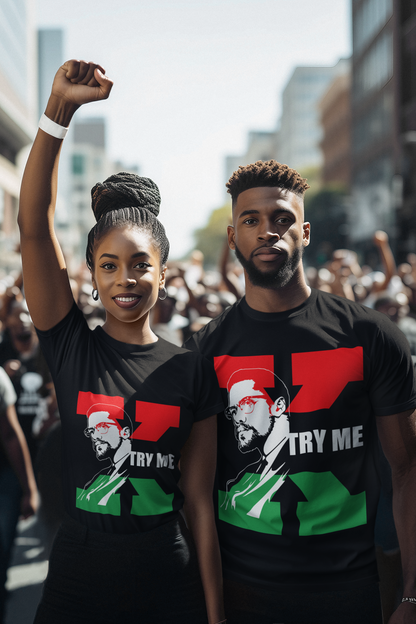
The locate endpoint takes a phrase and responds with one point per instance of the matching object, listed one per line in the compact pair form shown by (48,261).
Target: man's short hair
(262,378)
(116,414)
(265,173)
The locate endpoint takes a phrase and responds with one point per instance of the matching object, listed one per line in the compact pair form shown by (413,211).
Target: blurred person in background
(22,359)
(18,493)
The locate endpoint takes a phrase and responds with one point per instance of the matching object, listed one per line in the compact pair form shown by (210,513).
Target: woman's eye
(142,265)
(107,266)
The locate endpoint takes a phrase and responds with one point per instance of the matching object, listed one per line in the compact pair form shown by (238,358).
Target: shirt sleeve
(392,380)
(59,342)
(208,399)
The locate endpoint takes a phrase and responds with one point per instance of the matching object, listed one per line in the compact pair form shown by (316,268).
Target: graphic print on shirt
(267,495)
(112,436)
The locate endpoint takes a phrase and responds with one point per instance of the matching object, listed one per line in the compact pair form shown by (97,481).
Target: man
(259,425)
(109,439)
(23,361)
(301,549)
(111,443)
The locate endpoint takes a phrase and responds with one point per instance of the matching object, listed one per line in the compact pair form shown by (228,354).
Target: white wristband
(52,128)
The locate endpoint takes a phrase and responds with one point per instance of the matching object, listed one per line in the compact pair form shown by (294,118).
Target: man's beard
(249,438)
(106,451)
(271,279)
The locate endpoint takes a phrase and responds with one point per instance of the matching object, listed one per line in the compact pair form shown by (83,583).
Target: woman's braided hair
(265,173)
(126,199)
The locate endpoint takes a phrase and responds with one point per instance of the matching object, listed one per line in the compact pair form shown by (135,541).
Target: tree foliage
(210,238)
(327,212)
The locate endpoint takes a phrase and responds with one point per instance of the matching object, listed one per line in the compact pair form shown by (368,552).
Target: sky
(191,79)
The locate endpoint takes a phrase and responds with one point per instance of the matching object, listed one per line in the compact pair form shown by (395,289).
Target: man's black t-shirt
(298,480)
(126,413)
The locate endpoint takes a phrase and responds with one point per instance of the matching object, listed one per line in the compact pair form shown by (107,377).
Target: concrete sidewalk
(27,572)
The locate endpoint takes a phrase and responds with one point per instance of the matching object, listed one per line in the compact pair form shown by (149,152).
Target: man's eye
(250,221)
(102,428)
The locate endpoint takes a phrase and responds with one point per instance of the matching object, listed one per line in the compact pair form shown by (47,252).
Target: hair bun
(124,190)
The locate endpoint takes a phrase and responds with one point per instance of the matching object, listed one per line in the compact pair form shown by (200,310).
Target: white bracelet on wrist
(52,128)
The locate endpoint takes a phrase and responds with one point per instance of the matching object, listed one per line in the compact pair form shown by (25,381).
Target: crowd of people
(195,296)
(315,396)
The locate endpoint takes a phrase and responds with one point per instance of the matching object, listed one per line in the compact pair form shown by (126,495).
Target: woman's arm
(46,283)
(198,462)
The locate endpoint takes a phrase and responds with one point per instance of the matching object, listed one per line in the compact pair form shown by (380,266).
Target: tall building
(406,208)
(89,164)
(300,129)
(50,57)
(335,119)
(375,135)
(261,145)
(18,111)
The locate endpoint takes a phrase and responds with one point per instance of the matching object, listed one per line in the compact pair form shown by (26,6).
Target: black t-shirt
(30,382)
(126,412)
(298,480)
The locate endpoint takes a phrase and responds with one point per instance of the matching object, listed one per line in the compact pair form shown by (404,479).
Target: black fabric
(297,499)
(148,578)
(30,382)
(144,399)
(246,604)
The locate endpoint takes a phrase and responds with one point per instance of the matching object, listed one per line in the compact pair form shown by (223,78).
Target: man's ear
(231,237)
(278,407)
(125,433)
(306,239)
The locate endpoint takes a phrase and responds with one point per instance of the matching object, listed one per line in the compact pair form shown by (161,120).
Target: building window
(78,164)
(368,21)
(375,125)
(376,67)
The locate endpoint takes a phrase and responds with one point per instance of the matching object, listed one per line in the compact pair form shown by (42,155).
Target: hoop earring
(94,294)
(163,293)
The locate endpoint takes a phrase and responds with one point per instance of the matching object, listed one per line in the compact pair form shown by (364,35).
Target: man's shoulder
(215,326)
(358,311)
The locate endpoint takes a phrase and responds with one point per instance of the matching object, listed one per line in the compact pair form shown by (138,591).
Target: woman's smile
(127,300)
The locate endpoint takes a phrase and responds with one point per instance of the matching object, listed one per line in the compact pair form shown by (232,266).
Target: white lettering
(341,439)
(305,442)
(319,437)
(165,461)
(140,459)
(149,457)
(357,434)
(292,443)
(161,461)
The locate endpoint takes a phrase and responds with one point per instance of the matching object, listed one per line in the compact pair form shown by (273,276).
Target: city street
(27,573)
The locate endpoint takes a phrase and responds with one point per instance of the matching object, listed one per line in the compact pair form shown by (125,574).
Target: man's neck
(280,299)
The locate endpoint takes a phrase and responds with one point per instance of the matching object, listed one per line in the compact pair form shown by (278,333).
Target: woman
(131,405)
